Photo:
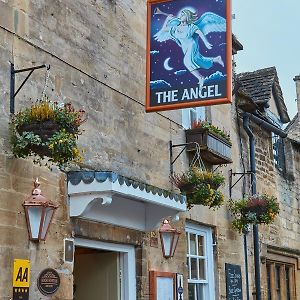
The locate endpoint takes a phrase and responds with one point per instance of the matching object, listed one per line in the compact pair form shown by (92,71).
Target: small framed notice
(162,285)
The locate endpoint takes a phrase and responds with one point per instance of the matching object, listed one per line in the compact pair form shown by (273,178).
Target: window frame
(209,281)
(276,258)
(186,115)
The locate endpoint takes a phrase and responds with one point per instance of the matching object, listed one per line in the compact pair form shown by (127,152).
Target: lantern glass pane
(34,217)
(176,237)
(47,219)
(167,240)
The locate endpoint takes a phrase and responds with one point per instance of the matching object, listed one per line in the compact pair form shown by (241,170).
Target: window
(281,280)
(278,152)
(277,142)
(189,115)
(200,262)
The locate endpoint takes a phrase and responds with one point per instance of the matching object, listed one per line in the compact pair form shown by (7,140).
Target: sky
(270,33)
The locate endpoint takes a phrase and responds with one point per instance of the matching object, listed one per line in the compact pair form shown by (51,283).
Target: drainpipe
(246,119)
(265,125)
(270,127)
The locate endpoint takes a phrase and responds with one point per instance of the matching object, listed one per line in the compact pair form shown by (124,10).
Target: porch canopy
(110,198)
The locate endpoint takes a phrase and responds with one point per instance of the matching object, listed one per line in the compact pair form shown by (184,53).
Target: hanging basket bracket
(173,160)
(231,175)
(13,73)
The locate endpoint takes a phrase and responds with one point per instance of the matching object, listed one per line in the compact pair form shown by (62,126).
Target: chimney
(297,81)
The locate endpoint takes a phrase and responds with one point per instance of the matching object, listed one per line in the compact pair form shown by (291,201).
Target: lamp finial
(36,190)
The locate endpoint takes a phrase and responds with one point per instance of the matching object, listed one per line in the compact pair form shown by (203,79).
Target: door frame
(127,262)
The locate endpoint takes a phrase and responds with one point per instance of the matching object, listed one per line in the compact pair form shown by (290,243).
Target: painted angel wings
(165,33)
(210,22)
(207,23)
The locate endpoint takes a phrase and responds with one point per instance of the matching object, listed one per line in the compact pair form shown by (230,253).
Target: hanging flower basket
(257,209)
(47,129)
(215,143)
(200,187)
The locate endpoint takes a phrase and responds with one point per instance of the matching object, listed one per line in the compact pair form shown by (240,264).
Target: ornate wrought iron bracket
(13,73)
(231,175)
(173,160)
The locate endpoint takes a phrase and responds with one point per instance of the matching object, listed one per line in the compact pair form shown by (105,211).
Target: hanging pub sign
(188,54)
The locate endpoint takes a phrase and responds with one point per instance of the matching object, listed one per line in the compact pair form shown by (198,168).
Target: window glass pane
(187,243)
(194,273)
(192,295)
(269,281)
(193,116)
(287,280)
(200,291)
(202,269)
(201,245)
(277,281)
(193,250)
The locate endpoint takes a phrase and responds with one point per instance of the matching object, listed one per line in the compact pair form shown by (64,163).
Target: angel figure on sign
(185,30)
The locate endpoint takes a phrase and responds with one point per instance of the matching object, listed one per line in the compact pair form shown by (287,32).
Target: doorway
(96,274)
(103,271)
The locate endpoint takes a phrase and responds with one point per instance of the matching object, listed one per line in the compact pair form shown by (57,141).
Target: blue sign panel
(188,53)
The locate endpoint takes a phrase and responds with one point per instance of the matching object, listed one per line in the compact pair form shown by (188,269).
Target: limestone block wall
(96,50)
(15,186)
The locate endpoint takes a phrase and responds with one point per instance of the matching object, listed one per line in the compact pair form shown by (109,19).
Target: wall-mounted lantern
(169,238)
(39,212)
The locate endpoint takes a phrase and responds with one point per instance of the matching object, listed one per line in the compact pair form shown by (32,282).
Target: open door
(97,275)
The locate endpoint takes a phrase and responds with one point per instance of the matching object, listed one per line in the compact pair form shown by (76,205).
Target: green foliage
(211,128)
(59,143)
(201,187)
(257,209)
(63,147)
(21,143)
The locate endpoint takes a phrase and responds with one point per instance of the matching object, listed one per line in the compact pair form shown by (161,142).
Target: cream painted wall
(97,276)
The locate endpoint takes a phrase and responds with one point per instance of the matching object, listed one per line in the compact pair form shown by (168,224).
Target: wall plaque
(234,282)
(21,279)
(48,282)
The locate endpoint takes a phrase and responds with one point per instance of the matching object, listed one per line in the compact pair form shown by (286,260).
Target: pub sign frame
(189,52)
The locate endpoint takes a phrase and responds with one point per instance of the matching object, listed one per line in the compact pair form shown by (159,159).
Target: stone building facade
(96,50)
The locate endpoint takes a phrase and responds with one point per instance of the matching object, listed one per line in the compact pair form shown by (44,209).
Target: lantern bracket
(13,73)
(231,175)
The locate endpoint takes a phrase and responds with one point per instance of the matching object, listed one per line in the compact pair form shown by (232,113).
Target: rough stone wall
(15,186)
(96,50)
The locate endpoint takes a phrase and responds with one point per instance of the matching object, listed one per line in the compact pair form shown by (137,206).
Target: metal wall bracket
(172,161)
(231,175)
(13,73)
